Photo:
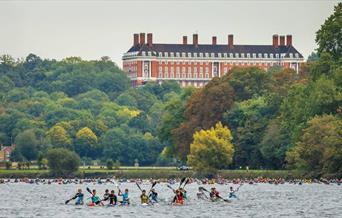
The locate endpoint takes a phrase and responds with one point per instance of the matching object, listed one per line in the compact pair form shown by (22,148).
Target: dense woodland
(276,119)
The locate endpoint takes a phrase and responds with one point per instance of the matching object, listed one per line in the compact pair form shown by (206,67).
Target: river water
(260,200)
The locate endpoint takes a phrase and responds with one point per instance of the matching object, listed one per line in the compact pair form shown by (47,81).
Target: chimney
(214,40)
(142,38)
(281,40)
(289,40)
(149,39)
(185,40)
(275,40)
(195,40)
(230,40)
(135,39)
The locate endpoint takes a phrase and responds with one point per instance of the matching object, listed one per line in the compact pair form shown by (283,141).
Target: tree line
(250,117)
(277,118)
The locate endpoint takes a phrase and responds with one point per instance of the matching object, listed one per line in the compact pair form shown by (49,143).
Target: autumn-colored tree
(203,110)
(320,146)
(211,149)
(86,142)
(59,137)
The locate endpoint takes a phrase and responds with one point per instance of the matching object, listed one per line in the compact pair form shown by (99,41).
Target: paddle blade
(138,186)
(88,190)
(181,182)
(202,188)
(67,201)
(186,182)
(154,184)
(170,187)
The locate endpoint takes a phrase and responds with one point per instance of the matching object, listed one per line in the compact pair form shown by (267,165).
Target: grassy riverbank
(153,172)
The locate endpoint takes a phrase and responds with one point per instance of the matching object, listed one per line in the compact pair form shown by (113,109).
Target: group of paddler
(150,197)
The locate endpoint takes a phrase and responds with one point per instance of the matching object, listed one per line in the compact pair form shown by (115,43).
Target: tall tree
(203,110)
(329,37)
(320,146)
(26,143)
(211,149)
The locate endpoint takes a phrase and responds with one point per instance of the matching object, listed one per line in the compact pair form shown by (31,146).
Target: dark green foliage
(40,95)
(62,162)
(329,37)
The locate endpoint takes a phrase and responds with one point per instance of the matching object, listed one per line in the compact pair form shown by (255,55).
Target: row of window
(221,55)
(172,69)
(172,75)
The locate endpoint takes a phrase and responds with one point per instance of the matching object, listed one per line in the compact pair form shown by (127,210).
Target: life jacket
(95,199)
(179,199)
(154,196)
(144,199)
(112,199)
(79,197)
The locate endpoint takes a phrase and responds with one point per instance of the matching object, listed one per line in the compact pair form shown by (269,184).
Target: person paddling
(106,195)
(201,194)
(153,196)
(184,193)
(79,196)
(179,199)
(125,197)
(214,194)
(95,200)
(112,198)
(232,192)
(144,198)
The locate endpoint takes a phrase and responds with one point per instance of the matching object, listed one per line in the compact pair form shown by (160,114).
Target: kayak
(177,204)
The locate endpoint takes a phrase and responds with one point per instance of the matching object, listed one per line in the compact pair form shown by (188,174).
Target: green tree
(329,37)
(248,121)
(86,143)
(27,144)
(211,149)
(319,149)
(59,137)
(249,82)
(62,162)
(110,164)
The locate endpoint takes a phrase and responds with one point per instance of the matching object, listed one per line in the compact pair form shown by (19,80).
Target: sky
(91,29)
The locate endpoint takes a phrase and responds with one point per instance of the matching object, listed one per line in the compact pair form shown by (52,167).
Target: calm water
(261,200)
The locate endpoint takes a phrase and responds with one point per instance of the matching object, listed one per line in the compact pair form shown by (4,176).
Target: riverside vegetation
(249,118)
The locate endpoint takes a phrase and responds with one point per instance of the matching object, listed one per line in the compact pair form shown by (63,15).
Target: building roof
(8,149)
(216,49)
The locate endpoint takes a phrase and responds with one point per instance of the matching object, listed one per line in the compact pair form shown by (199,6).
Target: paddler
(79,197)
(201,194)
(153,196)
(184,193)
(214,194)
(95,200)
(106,195)
(232,193)
(144,198)
(125,197)
(179,199)
(112,198)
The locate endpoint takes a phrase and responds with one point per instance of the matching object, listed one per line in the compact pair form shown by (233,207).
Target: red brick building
(195,64)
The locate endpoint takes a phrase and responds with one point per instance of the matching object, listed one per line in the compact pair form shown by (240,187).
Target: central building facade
(196,64)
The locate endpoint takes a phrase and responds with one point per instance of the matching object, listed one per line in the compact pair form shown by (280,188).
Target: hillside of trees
(273,119)
(85,106)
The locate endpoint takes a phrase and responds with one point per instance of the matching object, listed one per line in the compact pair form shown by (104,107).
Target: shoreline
(164,173)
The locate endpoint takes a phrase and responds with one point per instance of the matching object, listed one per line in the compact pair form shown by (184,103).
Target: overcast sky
(92,29)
